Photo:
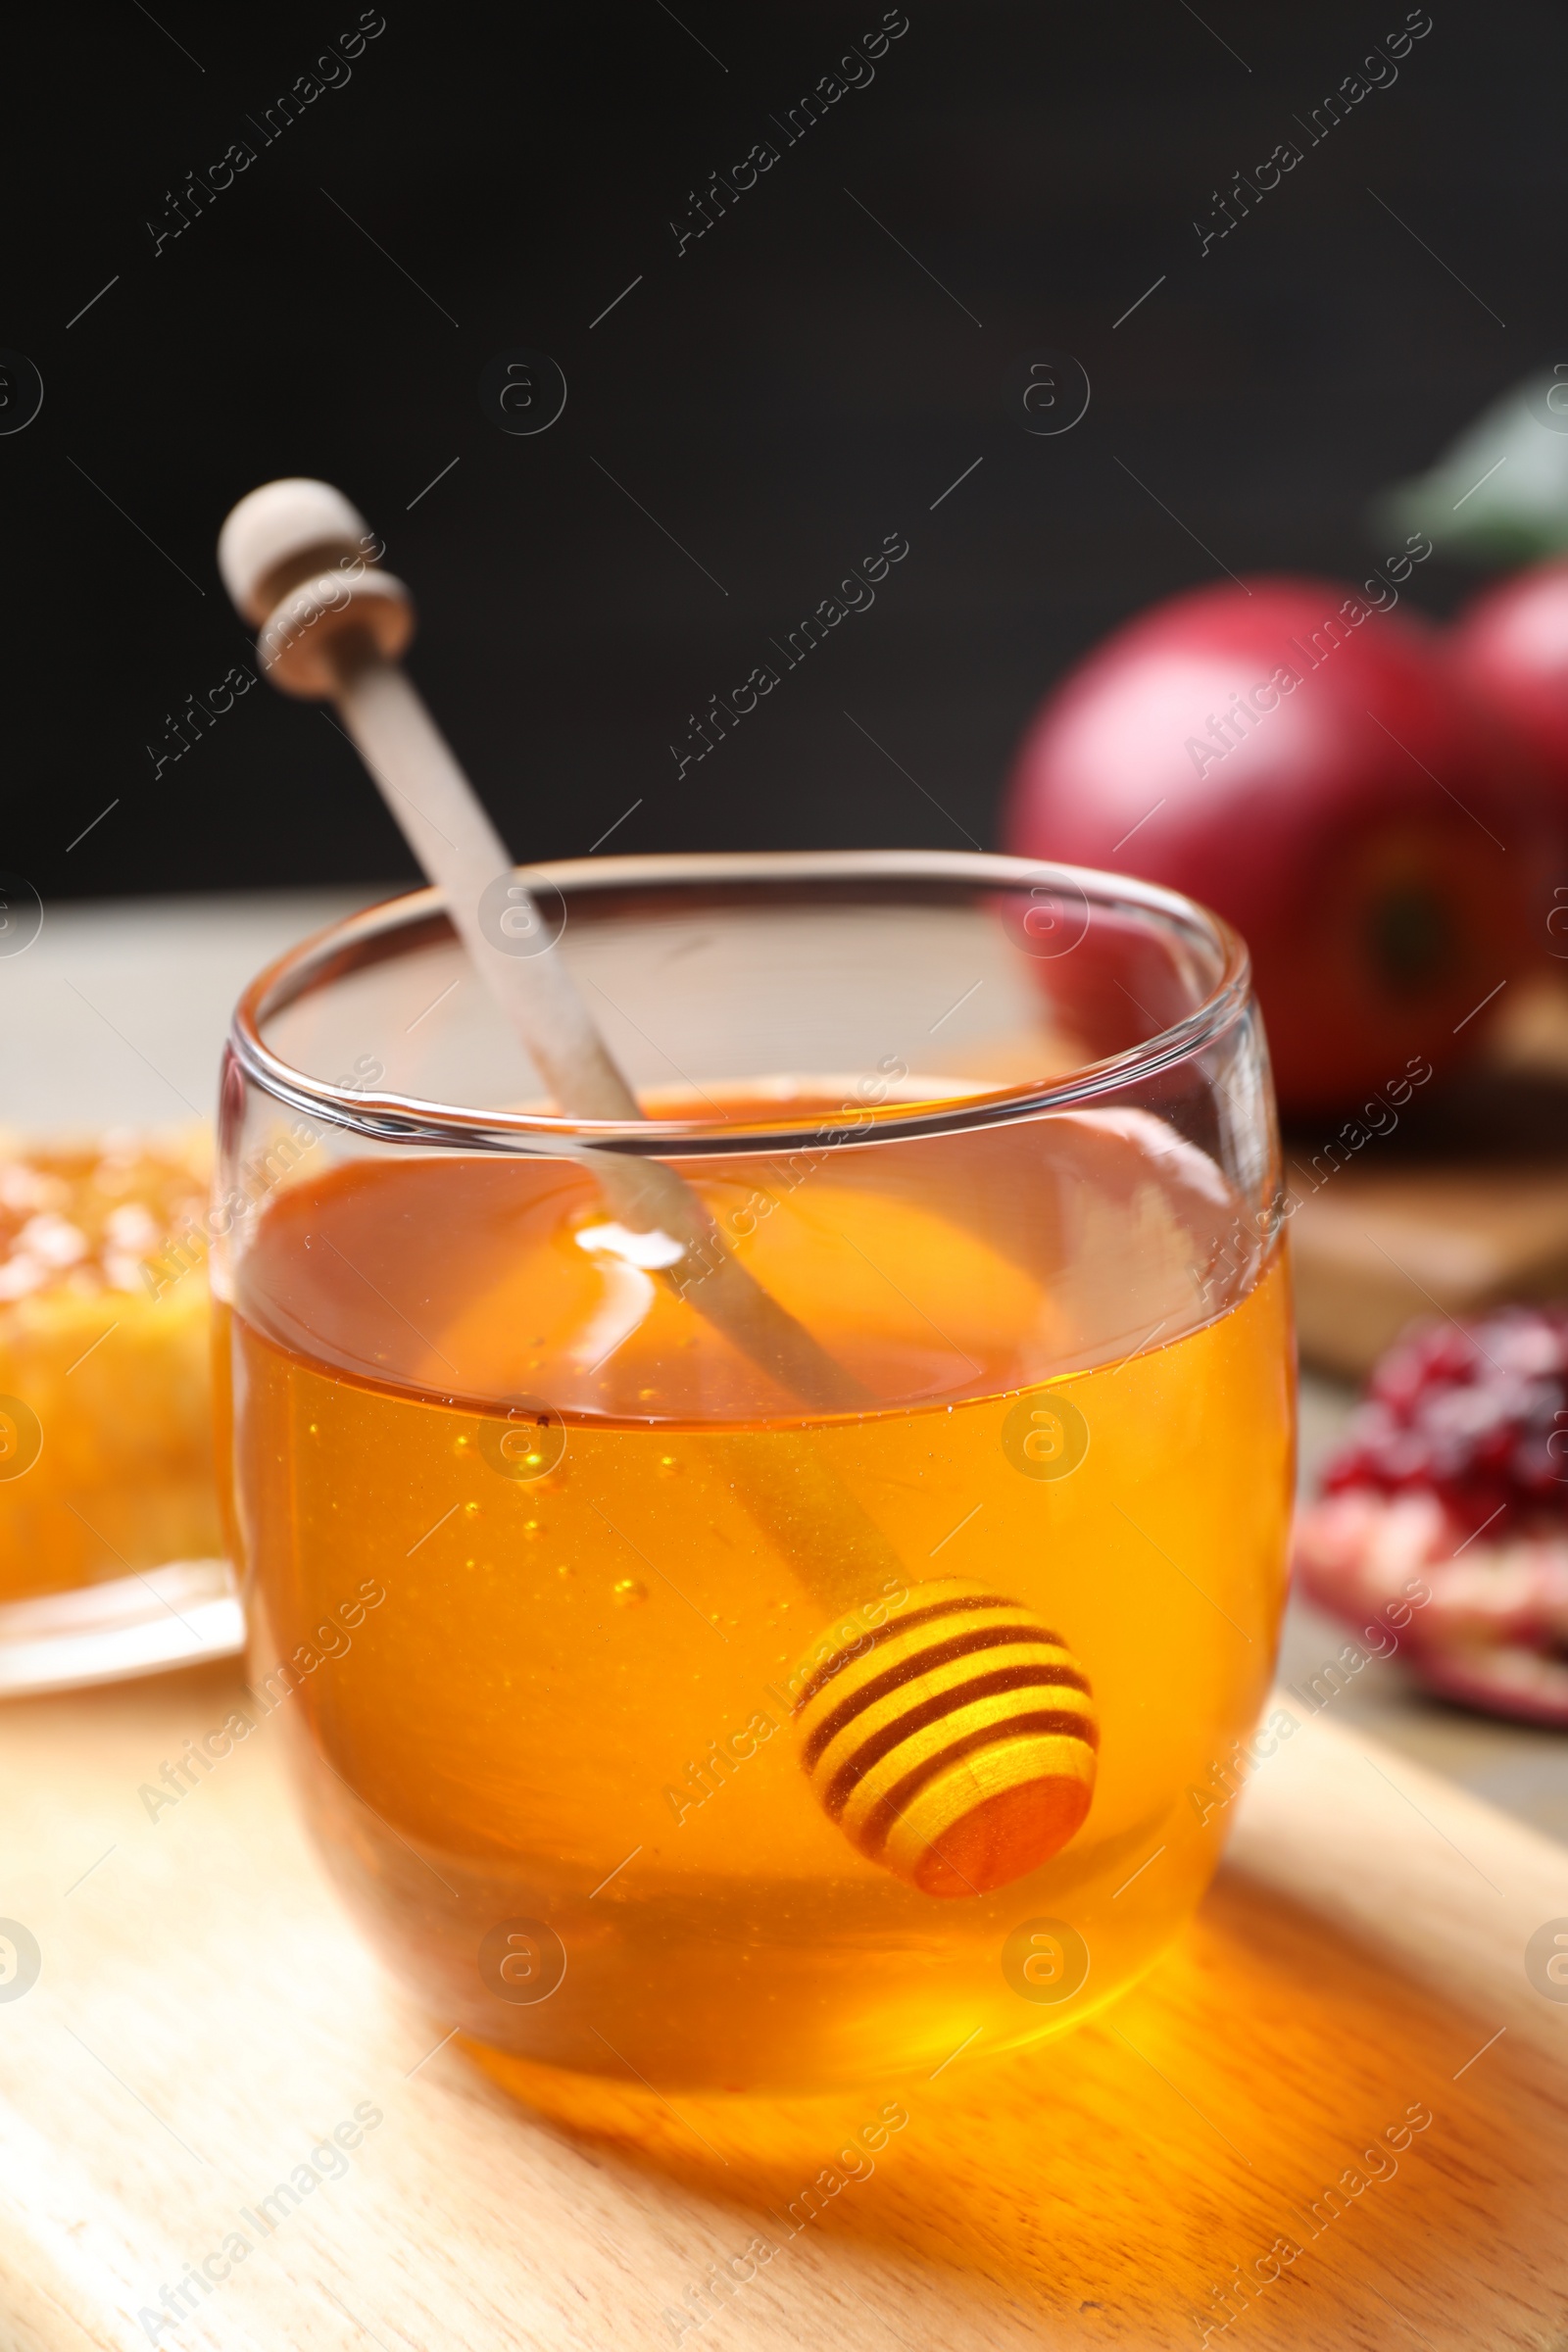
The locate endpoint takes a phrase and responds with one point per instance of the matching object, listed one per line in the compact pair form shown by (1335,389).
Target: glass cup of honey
(664,1730)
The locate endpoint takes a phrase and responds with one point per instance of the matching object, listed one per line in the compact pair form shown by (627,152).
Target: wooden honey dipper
(947,1733)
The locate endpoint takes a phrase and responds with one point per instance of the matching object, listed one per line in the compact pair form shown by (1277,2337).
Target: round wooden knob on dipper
(295,558)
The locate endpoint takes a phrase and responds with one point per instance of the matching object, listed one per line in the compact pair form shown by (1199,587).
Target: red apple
(1510,649)
(1304,763)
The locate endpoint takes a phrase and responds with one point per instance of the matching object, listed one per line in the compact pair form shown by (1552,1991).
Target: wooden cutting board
(1380,1245)
(1460,1204)
(204,2017)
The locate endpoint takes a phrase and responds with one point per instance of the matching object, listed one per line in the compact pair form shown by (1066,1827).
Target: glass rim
(367,937)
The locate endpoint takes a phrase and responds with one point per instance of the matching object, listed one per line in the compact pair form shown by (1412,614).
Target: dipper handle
(298,560)
(924,1741)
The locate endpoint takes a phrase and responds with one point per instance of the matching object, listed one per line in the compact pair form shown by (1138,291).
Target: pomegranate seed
(1476,1413)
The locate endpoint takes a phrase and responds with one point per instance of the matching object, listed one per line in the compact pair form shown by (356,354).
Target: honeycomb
(106,1449)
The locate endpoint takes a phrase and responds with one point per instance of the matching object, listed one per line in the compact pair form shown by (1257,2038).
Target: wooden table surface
(204,2018)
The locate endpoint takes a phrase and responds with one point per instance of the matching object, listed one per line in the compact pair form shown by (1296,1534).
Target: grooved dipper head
(956,1744)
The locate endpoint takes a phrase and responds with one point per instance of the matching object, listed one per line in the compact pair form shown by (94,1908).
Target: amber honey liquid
(570,1710)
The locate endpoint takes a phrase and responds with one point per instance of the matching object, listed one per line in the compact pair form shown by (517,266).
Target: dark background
(781,396)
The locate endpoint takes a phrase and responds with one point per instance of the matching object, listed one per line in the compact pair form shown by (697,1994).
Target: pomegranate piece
(1446,1511)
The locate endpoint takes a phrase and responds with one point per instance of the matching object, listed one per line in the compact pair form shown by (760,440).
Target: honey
(559,1770)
